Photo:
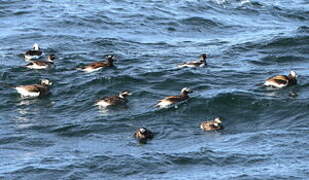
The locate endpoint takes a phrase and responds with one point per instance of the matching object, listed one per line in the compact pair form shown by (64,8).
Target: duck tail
(29,64)
(79,69)
(157,105)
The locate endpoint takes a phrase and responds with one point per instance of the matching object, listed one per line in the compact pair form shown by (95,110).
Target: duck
(281,81)
(200,63)
(34,90)
(34,53)
(42,64)
(169,100)
(143,134)
(121,99)
(108,62)
(215,124)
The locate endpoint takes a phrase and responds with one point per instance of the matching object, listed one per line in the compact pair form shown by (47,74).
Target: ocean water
(64,136)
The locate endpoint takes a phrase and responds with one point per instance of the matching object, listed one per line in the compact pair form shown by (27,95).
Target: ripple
(64,136)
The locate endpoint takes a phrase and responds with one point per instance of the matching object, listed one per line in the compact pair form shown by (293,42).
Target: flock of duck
(142,134)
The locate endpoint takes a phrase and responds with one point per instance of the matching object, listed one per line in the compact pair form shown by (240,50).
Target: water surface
(63,136)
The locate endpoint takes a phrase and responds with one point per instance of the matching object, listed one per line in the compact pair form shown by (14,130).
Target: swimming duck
(42,64)
(169,100)
(121,99)
(215,124)
(34,53)
(143,134)
(281,81)
(99,65)
(34,90)
(200,63)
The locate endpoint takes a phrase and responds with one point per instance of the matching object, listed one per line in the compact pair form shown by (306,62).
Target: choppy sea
(64,136)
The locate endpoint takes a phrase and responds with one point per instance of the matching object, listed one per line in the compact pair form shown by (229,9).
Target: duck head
(203,57)
(51,57)
(46,82)
(186,91)
(292,75)
(218,123)
(218,120)
(111,58)
(35,47)
(124,94)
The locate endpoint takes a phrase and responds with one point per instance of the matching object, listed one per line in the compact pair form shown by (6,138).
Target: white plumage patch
(35,66)
(26,93)
(274,84)
(164,104)
(89,69)
(103,103)
(190,65)
(185,65)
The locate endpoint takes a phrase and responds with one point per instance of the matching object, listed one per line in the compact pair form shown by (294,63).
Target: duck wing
(36,88)
(280,79)
(174,98)
(33,88)
(194,63)
(96,65)
(114,100)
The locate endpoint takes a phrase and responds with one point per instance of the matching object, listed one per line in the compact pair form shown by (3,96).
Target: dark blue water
(63,136)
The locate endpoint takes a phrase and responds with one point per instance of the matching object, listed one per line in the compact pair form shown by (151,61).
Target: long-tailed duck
(99,65)
(34,53)
(42,64)
(281,81)
(200,63)
(215,124)
(34,90)
(121,99)
(169,100)
(143,134)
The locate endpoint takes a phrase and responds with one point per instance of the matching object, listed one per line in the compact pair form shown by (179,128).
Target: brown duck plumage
(42,64)
(121,99)
(281,81)
(143,134)
(174,99)
(34,90)
(200,63)
(34,53)
(215,124)
(99,65)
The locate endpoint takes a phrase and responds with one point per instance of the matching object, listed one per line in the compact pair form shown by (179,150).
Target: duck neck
(291,77)
(110,62)
(292,80)
(45,85)
(203,61)
(184,95)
